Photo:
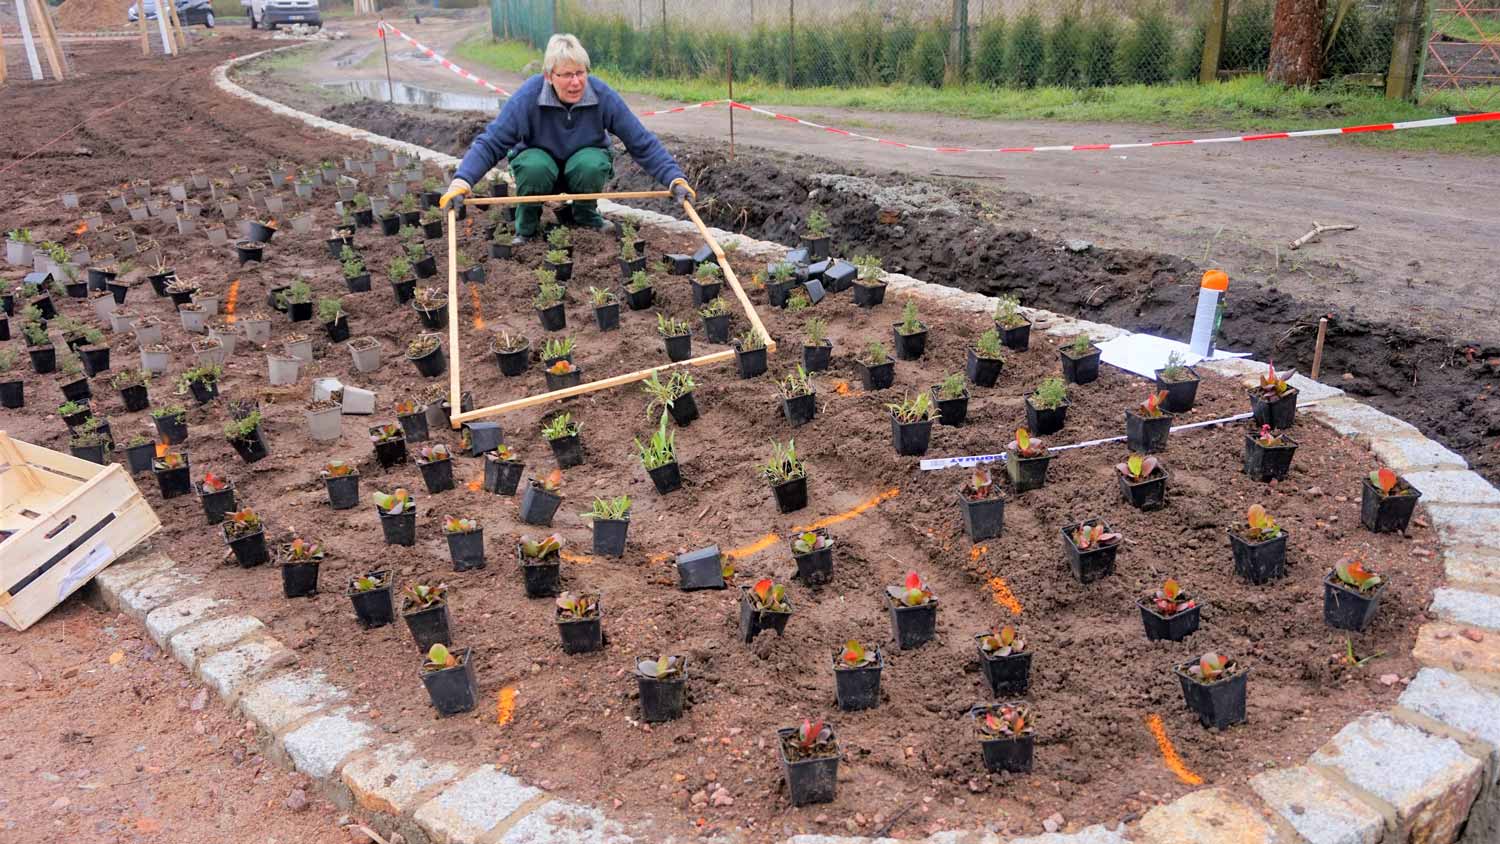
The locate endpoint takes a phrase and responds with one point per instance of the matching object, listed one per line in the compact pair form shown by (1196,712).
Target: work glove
(457,188)
(681,191)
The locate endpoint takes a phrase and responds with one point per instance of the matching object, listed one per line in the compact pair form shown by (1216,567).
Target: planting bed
(573,725)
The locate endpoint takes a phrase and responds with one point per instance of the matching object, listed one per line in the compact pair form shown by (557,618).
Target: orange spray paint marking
(230,300)
(842,388)
(505,706)
(860,509)
(658,559)
(82,227)
(161,448)
(476,484)
(1169,753)
(583,559)
(753,548)
(478,317)
(1003,596)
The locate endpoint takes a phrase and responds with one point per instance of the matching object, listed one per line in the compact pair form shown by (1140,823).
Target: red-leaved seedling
(1138,467)
(553,482)
(769,595)
(914,593)
(1268,438)
(541,549)
(1005,722)
(453,524)
(1260,525)
(1086,537)
(1210,668)
(214,483)
(855,655)
(1172,599)
(813,736)
(1384,480)
(1273,384)
(393,504)
(1151,407)
(662,668)
(980,485)
(574,607)
(1351,570)
(1002,642)
(1024,445)
(439,658)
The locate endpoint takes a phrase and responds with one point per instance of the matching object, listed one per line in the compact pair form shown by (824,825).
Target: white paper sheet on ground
(1143,354)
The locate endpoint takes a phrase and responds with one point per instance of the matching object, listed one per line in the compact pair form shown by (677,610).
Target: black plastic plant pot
(609,537)
(703,293)
(1016,339)
(754,622)
(12,394)
(1080,370)
(247,252)
(466,549)
(568,451)
(553,318)
(184,296)
(1280,413)
(815,566)
(563,381)
(78,390)
(425,267)
(375,607)
(95,360)
(808,780)
(251,448)
(336,245)
(452,689)
(429,626)
(91,453)
(913,627)
(410,218)
(432,317)
(98,279)
(800,410)
(951,412)
(43,359)
(217,505)
(1180,394)
(700,569)
(138,458)
(174,482)
(662,700)
(878,376)
(501,251)
(542,579)
(1147,435)
(249,550)
(1259,562)
(135,398)
(1268,463)
(639,300)
(868,295)
(911,438)
(204,391)
(1168,628)
(629,268)
(258,232)
(1006,676)
(684,409)
(501,477)
(437,475)
(791,495)
(404,290)
(777,293)
(299,580)
(984,518)
(400,529)
(358,284)
(983,372)
(666,478)
(857,688)
(343,491)
(432,229)
(159,282)
(390,224)
(607,317)
(538,505)
(172,428)
(391,452)
(679,348)
(751,363)
(1219,705)
(80,289)
(817,358)
(564,270)
(908,346)
(1347,608)
(1091,565)
(432,364)
(414,425)
(73,420)
(716,328)
(514,363)
(1386,513)
(581,636)
(338,329)
(118,291)
(364,218)
(817,247)
(1149,494)
(1009,754)
(1044,421)
(299,311)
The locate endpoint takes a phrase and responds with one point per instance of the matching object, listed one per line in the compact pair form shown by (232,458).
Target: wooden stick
(1318,348)
(1317,232)
(590,387)
(51,27)
(729,276)
(2,55)
(175,21)
(455,400)
(140,14)
(48,39)
(564,197)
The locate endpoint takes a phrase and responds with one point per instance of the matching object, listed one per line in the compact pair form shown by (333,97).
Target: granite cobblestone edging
(1425,772)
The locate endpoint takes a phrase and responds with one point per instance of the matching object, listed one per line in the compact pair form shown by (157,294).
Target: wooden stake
(2,55)
(1318,348)
(50,46)
(140,14)
(729,276)
(564,197)
(46,19)
(455,400)
(175,22)
(24,19)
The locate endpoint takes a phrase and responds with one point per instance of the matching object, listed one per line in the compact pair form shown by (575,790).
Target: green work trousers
(536,174)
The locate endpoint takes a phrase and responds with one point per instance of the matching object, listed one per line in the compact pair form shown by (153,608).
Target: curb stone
(1439,798)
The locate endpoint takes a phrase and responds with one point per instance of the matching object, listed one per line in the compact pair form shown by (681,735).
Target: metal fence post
(1213,41)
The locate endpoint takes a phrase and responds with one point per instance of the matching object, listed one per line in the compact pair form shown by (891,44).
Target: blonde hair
(564,48)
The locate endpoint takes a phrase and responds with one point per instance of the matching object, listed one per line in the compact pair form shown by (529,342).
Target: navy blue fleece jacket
(534,117)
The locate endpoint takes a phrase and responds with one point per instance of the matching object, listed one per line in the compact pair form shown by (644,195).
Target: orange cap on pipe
(1215,280)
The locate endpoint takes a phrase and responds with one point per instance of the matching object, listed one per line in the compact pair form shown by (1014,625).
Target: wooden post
(176,21)
(729,276)
(167,45)
(140,14)
(958,43)
(2,55)
(455,357)
(51,28)
(1213,41)
(24,20)
(1399,76)
(1318,349)
(48,36)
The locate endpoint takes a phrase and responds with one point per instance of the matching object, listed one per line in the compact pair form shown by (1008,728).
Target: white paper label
(84,570)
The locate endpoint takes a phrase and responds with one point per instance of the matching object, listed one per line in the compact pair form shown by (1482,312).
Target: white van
(273,13)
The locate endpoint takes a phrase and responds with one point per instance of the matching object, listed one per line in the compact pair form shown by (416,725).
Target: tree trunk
(1297,42)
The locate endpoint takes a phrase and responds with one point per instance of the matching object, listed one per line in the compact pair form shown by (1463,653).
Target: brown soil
(93,15)
(573,728)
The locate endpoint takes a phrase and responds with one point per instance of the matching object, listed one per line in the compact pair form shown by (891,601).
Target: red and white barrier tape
(1267,136)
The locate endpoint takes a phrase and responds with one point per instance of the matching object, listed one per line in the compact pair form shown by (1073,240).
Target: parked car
(190,12)
(272,13)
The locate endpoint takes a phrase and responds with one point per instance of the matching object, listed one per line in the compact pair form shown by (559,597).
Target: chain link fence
(1011,43)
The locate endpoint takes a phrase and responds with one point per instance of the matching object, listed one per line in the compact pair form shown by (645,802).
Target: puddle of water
(376,89)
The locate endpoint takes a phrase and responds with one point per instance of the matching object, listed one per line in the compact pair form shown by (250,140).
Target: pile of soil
(574,726)
(93,15)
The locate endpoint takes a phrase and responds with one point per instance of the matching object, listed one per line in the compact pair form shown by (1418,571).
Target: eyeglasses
(570,77)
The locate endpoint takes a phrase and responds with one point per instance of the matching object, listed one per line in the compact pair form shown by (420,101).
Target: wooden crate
(62,521)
